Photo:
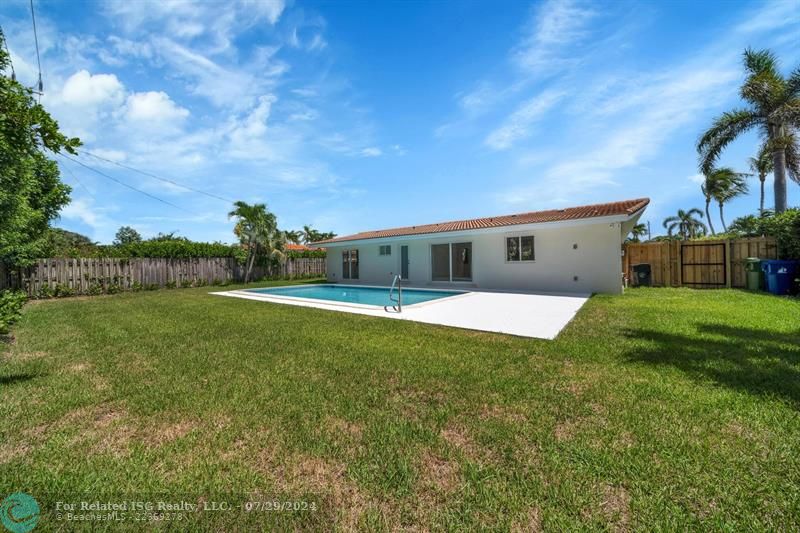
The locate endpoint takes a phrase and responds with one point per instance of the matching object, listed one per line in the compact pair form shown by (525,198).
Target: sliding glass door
(451,261)
(350,264)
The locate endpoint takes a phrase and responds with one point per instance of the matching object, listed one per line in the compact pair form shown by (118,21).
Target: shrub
(785,227)
(136,286)
(186,283)
(63,290)
(171,284)
(10,306)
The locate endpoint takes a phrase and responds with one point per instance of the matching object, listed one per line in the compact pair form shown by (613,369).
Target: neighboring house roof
(625,207)
(292,247)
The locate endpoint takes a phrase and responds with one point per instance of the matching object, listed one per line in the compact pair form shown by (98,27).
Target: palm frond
(758,61)
(723,131)
(793,83)
(764,90)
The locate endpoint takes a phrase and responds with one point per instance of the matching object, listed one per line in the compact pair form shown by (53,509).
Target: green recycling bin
(755,276)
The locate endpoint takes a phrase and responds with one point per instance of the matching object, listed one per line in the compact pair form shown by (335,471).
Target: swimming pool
(354,294)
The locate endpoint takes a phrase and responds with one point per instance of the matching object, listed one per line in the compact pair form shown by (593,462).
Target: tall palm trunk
(763,178)
(708,217)
(722,218)
(779,171)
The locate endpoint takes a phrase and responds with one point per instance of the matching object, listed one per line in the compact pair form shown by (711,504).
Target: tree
(687,226)
(773,108)
(63,243)
(722,184)
(311,235)
(751,225)
(31,191)
(127,235)
(293,236)
(258,231)
(761,166)
(638,231)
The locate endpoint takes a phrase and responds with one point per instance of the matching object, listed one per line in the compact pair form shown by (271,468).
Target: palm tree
(774,108)
(761,165)
(722,184)
(686,223)
(708,191)
(310,235)
(258,231)
(730,184)
(293,236)
(638,231)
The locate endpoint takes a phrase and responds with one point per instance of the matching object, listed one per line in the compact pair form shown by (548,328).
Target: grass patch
(666,407)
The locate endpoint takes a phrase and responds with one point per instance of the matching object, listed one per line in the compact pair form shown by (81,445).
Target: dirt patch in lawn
(166,433)
(458,437)
(339,495)
(501,412)
(615,506)
(531,522)
(438,473)
(340,426)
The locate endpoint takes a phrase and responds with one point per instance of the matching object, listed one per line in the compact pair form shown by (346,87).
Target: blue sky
(360,115)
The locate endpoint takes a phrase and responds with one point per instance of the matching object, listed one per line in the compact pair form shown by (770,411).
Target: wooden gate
(698,264)
(704,265)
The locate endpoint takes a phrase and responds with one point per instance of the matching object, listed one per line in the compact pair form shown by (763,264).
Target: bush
(10,306)
(785,227)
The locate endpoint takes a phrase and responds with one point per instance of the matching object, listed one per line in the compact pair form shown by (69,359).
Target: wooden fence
(95,275)
(699,264)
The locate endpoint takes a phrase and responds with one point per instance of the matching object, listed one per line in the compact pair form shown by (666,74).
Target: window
(350,264)
(451,262)
(519,248)
(385,249)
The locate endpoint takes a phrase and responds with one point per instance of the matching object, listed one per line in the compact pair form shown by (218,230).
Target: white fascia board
(514,228)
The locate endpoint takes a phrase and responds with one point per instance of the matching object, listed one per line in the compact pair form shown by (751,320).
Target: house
(576,249)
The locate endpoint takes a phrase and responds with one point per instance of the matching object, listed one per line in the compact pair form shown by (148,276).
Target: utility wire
(38,61)
(81,163)
(69,171)
(150,174)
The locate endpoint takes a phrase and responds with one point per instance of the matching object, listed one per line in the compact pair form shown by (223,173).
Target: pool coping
(264,296)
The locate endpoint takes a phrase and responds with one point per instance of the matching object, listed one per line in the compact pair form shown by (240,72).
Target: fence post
(728,264)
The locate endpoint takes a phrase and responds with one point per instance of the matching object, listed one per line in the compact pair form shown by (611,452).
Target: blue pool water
(355,295)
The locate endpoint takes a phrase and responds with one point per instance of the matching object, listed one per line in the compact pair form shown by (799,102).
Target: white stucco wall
(596,261)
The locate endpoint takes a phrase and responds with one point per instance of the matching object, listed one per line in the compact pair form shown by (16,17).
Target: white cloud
(371,151)
(518,125)
(86,90)
(697,178)
(153,107)
(556,24)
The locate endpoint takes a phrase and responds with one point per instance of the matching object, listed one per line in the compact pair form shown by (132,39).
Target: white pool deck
(536,315)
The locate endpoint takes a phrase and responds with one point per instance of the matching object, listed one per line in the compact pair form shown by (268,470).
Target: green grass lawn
(659,409)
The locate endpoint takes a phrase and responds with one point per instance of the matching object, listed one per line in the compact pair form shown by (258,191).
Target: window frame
(384,247)
(450,278)
(348,261)
(519,238)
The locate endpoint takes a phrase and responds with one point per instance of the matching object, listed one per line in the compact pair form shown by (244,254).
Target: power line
(38,61)
(150,174)
(81,163)
(69,171)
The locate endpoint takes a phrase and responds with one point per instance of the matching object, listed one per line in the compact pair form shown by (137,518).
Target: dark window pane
(440,262)
(346,264)
(353,264)
(462,261)
(512,249)
(527,248)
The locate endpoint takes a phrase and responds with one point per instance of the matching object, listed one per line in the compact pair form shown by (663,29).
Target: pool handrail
(396,282)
